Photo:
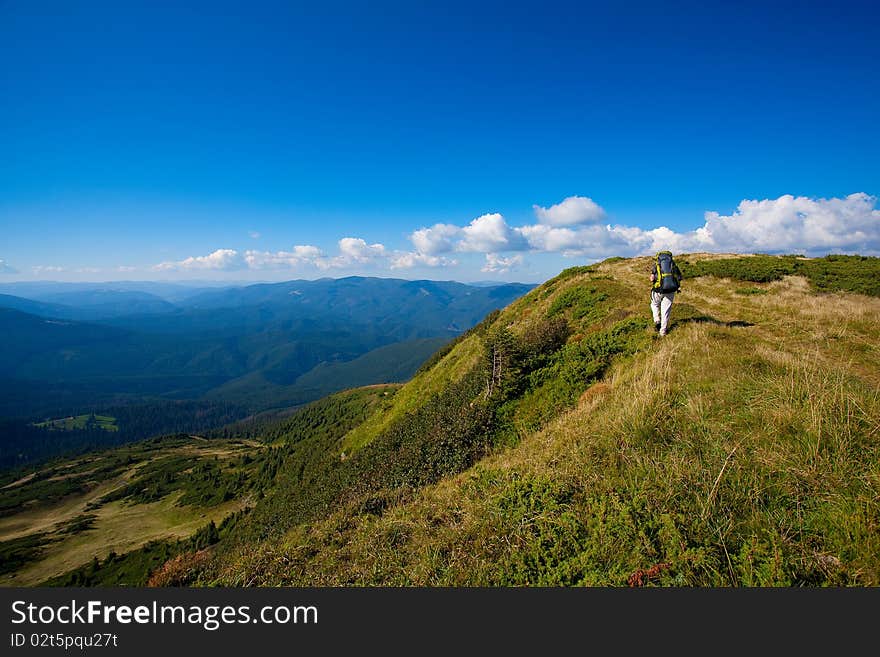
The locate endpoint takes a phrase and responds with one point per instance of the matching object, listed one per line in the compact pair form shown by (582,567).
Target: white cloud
(791,223)
(570,228)
(571,211)
(124,268)
(352,251)
(662,238)
(302,254)
(221,260)
(439,238)
(355,249)
(47,269)
(254,234)
(499,265)
(6,268)
(410,260)
(490,234)
(787,224)
(592,241)
(88,270)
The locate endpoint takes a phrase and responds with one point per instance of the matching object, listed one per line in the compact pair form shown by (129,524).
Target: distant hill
(393,363)
(383,303)
(104,303)
(171,292)
(89,305)
(27,337)
(81,350)
(493,283)
(41,308)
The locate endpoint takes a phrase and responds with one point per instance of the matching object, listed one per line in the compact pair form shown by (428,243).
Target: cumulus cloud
(592,241)
(490,233)
(787,224)
(791,223)
(439,238)
(352,251)
(356,250)
(220,260)
(499,265)
(572,228)
(429,244)
(6,268)
(571,211)
(561,229)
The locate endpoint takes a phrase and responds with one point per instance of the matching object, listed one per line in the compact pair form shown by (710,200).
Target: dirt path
(21,481)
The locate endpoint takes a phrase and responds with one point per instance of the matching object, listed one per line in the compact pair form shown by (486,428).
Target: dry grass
(120,528)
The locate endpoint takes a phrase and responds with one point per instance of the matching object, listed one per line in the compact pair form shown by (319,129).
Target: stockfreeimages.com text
(210,617)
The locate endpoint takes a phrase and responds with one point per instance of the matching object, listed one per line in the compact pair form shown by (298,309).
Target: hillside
(560,442)
(110,517)
(64,514)
(742,449)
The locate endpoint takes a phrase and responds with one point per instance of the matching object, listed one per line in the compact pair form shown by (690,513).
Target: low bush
(833,273)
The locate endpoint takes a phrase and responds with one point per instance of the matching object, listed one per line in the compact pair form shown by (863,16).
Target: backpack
(667,277)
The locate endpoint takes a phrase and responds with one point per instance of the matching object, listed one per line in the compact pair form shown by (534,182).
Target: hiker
(665,282)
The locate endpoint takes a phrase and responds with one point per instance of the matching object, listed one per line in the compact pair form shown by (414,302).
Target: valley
(192,362)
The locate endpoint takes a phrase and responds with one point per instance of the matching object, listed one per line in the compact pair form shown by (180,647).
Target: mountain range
(79,349)
(557,442)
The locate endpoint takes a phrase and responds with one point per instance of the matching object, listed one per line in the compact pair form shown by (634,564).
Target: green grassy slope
(114,517)
(68,512)
(105,422)
(742,449)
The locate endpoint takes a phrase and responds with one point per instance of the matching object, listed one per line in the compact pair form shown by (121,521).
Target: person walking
(665,282)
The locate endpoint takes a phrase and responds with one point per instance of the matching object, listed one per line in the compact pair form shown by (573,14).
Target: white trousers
(661,306)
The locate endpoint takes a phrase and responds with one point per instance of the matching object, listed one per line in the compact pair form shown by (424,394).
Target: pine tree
(501,360)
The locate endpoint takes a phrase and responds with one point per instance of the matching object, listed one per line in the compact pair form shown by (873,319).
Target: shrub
(581,302)
(833,273)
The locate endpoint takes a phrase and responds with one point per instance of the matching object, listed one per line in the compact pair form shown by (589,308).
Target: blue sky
(468,141)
